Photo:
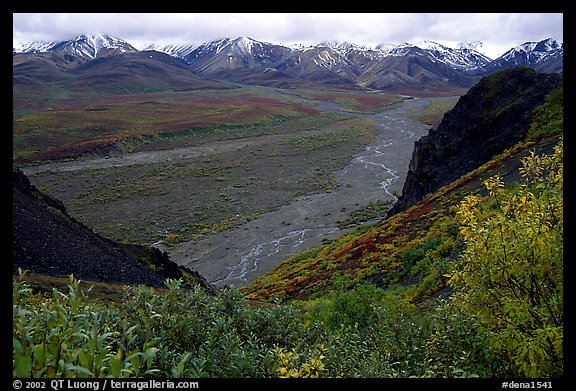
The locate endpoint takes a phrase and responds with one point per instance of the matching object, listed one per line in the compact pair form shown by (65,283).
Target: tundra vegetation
(260,135)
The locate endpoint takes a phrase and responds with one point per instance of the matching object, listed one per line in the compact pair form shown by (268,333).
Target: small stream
(377,173)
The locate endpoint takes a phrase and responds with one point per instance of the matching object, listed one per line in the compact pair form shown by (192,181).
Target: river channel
(237,256)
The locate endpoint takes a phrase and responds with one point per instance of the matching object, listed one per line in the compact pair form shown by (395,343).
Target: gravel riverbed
(237,256)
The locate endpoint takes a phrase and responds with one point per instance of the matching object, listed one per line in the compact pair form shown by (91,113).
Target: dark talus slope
(46,240)
(494,115)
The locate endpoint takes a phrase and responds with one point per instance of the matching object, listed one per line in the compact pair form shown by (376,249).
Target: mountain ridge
(85,46)
(425,63)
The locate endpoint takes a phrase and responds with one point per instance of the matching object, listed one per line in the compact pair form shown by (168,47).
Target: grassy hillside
(412,249)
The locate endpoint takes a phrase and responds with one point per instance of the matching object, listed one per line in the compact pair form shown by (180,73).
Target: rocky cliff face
(494,115)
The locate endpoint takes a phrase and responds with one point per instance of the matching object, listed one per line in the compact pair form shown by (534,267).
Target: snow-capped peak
(386,47)
(173,50)
(245,44)
(534,51)
(93,42)
(541,46)
(430,45)
(462,57)
(88,46)
(35,46)
(341,46)
(296,46)
(395,49)
(551,44)
(525,47)
(232,47)
(91,45)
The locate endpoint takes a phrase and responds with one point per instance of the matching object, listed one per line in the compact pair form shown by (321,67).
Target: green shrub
(62,336)
(511,273)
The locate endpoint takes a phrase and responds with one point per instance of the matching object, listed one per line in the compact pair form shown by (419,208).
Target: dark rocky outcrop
(494,115)
(46,240)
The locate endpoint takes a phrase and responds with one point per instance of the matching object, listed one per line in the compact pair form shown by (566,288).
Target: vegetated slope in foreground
(360,332)
(387,253)
(414,248)
(489,244)
(46,240)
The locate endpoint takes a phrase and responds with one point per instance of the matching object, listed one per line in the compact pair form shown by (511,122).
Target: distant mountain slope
(424,64)
(269,77)
(140,71)
(464,57)
(494,115)
(46,240)
(322,64)
(127,72)
(239,53)
(39,69)
(544,56)
(413,70)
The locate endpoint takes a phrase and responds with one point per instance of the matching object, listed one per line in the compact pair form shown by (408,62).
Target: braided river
(237,256)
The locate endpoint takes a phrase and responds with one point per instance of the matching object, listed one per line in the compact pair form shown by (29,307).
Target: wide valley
(234,207)
(376,174)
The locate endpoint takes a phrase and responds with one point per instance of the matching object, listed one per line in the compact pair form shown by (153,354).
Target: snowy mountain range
(84,46)
(384,66)
(544,53)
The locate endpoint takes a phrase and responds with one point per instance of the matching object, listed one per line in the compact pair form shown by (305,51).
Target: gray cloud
(499,32)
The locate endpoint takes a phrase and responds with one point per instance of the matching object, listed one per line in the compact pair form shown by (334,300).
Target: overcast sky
(498,32)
